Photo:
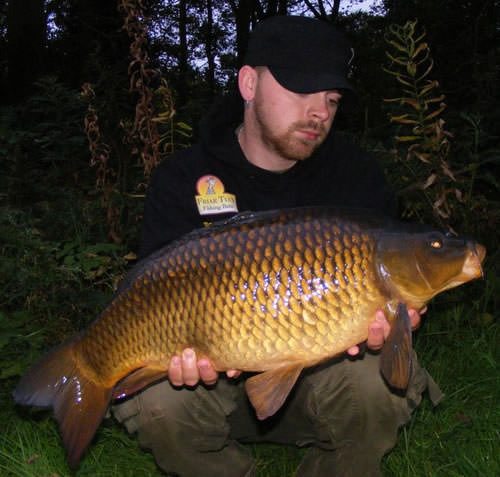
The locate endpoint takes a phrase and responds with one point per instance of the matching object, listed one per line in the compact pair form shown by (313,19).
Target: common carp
(271,292)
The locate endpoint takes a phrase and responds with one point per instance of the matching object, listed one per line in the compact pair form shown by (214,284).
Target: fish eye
(436,242)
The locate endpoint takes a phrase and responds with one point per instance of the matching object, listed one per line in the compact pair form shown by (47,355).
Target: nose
(320,107)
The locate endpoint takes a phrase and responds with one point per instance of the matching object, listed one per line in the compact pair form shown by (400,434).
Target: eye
(436,244)
(436,241)
(334,101)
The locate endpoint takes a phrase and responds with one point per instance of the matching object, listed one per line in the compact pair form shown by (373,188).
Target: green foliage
(439,176)
(33,446)
(19,332)
(424,143)
(173,133)
(461,436)
(41,138)
(49,285)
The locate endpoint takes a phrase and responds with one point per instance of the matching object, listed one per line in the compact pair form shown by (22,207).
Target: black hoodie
(338,173)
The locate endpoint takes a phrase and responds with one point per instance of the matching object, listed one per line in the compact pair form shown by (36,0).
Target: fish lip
(480,252)
(473,263)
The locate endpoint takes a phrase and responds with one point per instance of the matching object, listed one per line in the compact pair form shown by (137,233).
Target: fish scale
(272,292)
(290,245)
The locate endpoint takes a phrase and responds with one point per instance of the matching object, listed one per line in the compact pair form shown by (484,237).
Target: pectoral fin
(396,356)
(267,391)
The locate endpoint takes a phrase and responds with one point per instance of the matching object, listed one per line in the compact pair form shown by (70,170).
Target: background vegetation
(94,94)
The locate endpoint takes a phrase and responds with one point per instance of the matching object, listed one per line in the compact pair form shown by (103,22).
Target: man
(280,151)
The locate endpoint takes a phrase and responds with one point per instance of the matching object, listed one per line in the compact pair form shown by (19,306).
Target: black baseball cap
(304,55)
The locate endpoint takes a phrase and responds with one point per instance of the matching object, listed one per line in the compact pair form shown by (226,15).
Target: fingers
(415,318)
(233,373)
(378,331)
(189,366)
(175,371)
(207,373)
(353,351)
(187,370)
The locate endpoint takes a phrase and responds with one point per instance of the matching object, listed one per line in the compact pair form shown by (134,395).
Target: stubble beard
(288,145)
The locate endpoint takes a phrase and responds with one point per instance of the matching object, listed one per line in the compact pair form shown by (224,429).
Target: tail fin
(79,403)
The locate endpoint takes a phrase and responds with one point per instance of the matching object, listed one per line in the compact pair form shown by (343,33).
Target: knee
(352,403)
(161,414)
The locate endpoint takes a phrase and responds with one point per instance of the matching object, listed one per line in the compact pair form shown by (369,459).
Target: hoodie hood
(222,119)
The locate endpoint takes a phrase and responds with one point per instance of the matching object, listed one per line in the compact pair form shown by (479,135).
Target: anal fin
(396,356)
(267,391)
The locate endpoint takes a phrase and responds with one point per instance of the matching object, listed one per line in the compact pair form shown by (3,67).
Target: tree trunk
(210,48)
(26,34)
(182,86)
(243,13)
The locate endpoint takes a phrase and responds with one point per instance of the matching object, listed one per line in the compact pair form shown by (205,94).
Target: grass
(458,438)
(461,436)
(49,288)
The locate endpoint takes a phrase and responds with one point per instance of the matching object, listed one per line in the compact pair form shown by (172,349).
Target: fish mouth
(480,251)
(472,266)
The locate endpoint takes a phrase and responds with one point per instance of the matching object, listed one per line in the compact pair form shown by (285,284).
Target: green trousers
(343,411)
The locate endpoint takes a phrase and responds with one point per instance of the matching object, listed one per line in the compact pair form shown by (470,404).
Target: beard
(288,144)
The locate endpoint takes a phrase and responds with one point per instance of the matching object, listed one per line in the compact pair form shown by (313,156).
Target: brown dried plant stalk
(143,134)
(99,158)
(424,145)
(99,150)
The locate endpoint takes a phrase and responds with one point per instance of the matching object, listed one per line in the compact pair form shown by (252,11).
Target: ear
(247,82)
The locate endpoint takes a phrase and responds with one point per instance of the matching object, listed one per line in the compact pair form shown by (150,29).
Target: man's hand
(187,370)
(379,330)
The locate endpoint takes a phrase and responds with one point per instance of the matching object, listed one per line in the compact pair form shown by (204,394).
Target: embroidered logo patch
(212,198)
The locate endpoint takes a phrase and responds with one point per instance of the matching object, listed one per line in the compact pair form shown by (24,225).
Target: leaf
(424,157)
(421,47)
(130,256)
(406,138)
(436,100)
(427,71)
(402,120)
(391,100)
(430,180)
(447,171)
(397,60)
(183,125)
(416,105)
(436,113)
(431,85)
(398,46)
(399,78)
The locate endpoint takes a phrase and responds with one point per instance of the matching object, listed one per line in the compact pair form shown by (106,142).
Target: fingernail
(380,316)
(188,354)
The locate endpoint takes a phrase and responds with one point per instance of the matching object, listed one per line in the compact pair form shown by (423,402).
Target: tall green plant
(422,142)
